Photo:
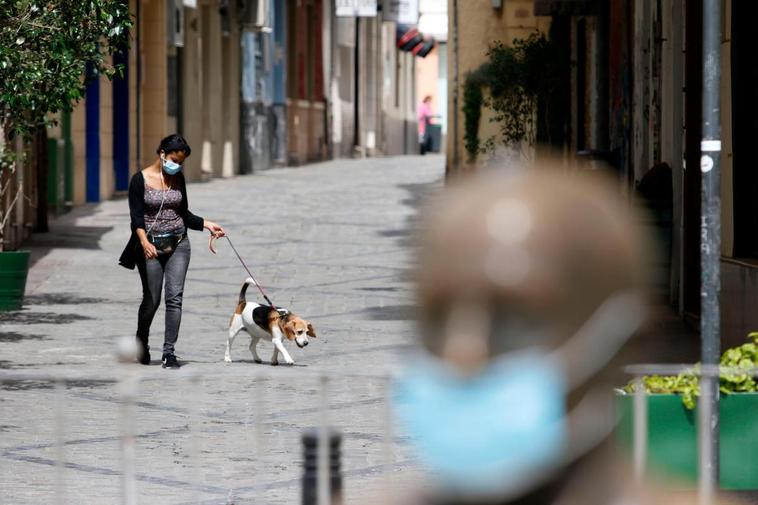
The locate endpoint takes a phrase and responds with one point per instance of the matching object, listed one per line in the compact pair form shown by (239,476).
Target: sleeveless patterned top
(169,220)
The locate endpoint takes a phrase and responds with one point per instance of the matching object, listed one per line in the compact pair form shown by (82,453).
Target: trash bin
(435,137)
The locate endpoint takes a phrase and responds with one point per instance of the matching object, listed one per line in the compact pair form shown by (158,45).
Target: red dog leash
(213,250)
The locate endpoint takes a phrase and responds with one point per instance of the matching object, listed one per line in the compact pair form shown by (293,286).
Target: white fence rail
(230,435)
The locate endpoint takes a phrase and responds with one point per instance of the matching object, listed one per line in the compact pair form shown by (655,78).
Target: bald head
(524,259)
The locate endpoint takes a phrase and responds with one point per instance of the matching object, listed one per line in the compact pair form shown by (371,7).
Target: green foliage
(518,78)
(686,384)
(473,100)
(735,375)
(44,49)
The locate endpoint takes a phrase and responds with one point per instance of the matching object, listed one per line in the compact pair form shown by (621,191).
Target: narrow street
(330,241)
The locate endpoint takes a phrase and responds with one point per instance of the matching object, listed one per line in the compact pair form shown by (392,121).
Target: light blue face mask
(171,167)
(489,433)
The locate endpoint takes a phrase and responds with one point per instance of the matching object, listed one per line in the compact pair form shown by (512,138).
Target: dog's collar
(283,313)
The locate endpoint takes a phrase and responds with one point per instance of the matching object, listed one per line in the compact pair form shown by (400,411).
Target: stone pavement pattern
(331,241)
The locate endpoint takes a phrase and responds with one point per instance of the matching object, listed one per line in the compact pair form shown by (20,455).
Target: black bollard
(310,467)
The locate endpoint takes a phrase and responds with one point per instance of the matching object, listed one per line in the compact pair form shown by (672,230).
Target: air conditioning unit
(256,15)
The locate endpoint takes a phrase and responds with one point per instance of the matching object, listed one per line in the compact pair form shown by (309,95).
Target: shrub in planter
(672,420)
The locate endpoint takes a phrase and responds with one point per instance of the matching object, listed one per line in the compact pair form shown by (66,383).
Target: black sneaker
(143,352)
(169,361)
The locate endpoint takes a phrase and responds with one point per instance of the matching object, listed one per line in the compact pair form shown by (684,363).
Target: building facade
(473,26)
(250,84)
(635,104)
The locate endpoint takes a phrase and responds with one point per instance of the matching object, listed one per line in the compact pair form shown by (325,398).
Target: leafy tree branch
(46,47)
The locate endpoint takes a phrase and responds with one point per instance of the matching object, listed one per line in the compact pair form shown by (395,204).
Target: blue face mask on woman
(170,167)
(489,433)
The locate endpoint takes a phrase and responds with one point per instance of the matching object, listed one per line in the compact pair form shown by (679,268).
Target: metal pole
(388,456)
(60,443)
(129,390)
(194,429)
(322,469)
(261,408)
(639,430)
(357,86)
(138,104)
(456,156)
(710,249)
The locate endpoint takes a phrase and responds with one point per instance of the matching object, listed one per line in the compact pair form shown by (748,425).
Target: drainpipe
(356,95)
(138,98)
(20,168)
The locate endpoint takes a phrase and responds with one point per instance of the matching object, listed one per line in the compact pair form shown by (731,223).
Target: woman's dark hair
(174,143)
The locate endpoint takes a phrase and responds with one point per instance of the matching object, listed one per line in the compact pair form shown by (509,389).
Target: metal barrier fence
(232,427)
(220,434)
(706,433)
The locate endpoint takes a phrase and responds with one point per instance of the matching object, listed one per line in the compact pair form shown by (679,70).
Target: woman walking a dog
(159,246)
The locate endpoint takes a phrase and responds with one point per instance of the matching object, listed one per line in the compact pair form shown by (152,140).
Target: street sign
(403,12)
(356,8)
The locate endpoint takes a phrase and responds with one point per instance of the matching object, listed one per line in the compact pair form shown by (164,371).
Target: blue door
(92,135)
(121,122)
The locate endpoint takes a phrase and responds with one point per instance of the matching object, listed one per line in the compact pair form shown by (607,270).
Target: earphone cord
(163,199)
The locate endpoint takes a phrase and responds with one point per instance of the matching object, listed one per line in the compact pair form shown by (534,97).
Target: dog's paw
(274,363)
(289,362)
(228,359)
(258,360)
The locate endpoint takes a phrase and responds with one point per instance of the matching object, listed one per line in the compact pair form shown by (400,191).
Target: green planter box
(672,438)
(14,266)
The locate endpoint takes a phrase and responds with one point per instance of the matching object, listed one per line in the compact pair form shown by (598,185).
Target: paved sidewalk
(331,241)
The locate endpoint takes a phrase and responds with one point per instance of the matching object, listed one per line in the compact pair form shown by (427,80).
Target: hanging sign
(356,8)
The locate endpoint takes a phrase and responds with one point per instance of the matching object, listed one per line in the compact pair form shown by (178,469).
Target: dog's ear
(311,332)
(289,330)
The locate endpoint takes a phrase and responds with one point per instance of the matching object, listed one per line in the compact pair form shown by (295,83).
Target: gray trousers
(173,269)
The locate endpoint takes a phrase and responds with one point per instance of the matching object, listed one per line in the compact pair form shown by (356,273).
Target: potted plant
(45,48)
(14,265)
(672,420)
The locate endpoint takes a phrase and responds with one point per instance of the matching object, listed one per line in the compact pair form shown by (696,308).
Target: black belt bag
(166,243)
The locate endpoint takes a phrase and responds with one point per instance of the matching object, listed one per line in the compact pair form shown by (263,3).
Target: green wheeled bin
(14,266)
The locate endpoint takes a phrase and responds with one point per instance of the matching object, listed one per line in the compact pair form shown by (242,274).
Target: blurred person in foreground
(530,286)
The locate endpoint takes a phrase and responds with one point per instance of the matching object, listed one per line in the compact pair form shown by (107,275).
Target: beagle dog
(268,323)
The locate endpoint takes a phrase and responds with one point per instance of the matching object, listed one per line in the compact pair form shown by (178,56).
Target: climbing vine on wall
(517,81)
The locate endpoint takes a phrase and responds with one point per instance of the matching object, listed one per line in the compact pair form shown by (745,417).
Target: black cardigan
(133,251)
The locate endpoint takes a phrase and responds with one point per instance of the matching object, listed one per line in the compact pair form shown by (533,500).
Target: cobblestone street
(331,241)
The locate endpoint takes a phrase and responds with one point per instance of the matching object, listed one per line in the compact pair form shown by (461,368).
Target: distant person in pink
(424,119)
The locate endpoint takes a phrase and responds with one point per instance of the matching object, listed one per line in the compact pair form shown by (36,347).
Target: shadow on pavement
(391,313)
(28,385)
(18,337)
(417,196)
(30,317)
(66,234)
(60,299)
